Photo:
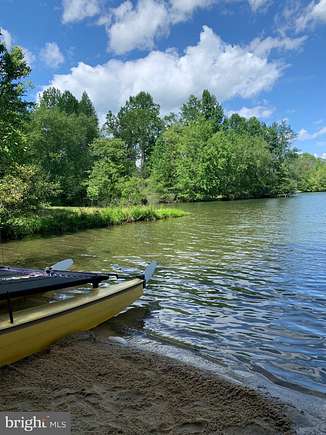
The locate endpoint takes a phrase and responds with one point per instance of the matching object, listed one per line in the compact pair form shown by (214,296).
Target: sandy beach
(114,389)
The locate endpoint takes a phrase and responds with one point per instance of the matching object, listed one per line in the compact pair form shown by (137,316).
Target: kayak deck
(24,282)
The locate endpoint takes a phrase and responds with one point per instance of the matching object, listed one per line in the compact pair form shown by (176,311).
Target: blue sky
(259,57)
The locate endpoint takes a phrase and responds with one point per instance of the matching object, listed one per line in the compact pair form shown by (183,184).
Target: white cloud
(52,55)
(305,135)
(7,38)
(263,47)
(28,55)
(137,26)
(314,13)
(180,10)
(226,70)
(257,111)
(258,4)
(77,10)
(319,11)
(323,156)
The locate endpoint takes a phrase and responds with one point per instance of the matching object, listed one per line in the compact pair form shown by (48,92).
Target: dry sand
(112,389)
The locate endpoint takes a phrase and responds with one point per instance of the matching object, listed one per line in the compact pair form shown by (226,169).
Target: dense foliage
(311,173)
(60,132)
(205,157)
(23,190)
(111,170)
(54,151)
(13,108)
(138,124)
(22,185)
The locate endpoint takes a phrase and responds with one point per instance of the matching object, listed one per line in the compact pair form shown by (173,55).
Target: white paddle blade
(63,264)
(149,271)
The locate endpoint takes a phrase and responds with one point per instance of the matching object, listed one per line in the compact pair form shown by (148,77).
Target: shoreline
(60,220)
(66,220)
(306,410)
(110,388)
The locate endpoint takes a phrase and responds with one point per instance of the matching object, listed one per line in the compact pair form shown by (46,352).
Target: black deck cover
(23,282)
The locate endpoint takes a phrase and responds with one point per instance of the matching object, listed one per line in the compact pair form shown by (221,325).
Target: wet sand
(114,389)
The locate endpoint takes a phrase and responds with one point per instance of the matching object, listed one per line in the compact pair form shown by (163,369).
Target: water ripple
(242,283)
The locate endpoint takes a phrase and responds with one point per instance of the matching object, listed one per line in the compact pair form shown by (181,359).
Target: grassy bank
(60,220)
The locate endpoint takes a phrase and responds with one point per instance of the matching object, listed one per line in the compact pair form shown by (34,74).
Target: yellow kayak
(36,328)
(29,330)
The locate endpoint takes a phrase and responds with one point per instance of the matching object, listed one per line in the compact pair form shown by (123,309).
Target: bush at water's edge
(60,220)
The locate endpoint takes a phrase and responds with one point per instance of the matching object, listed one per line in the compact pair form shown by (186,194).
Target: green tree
(68,103)
(23,190)
(191,110)
(138,124)
(133,191)
(13,107)
(235,123)
(235,166)
(279,137)
(318,183)
(60,134)
(164,163)
(111,168)
(310,173)
(50,98)
(86,106)
(192,141)
(211,109)
(59,144)
(254,127)
(207,108)
(170,120)
(175,161)
(191,162)
(64,101)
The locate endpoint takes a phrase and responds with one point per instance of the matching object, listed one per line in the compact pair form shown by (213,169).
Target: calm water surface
(241,283)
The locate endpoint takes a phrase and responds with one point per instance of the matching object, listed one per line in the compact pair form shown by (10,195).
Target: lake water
(241,283)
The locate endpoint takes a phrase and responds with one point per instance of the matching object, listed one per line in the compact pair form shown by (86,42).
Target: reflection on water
(243,283)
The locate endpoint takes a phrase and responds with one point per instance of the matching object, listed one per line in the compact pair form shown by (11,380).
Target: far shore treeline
(54,152)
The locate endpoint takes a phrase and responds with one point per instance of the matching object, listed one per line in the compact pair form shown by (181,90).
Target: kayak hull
(36,328)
